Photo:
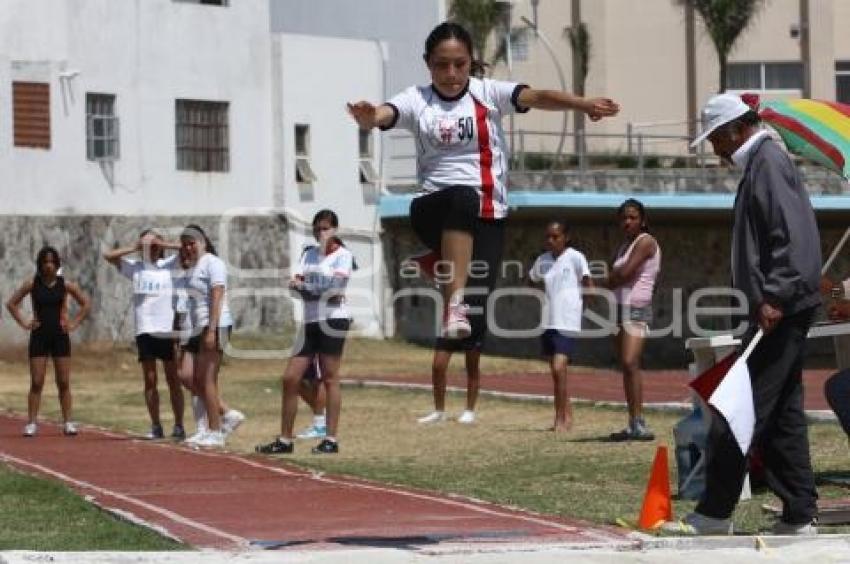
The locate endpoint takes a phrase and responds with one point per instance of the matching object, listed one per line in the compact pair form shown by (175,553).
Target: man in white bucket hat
(719,111)
(776,264)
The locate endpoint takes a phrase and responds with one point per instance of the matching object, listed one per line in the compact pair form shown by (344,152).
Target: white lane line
(594,535)
(103,491)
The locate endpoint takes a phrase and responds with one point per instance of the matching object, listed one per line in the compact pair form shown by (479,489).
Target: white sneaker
(803,530)
(231,420)
(30,429)
(697,524)
(199,434)
(70,429)
(211,439)
(466,417)
(433,417)
(457,325)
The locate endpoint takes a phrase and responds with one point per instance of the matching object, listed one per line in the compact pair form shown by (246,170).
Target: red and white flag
(726,386)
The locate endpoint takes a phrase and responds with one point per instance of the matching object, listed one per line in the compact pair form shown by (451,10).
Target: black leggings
(453,208)
(487,247)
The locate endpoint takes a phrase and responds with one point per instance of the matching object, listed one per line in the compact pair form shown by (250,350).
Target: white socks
(199,411)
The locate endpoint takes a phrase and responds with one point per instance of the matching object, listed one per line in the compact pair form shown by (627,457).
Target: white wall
(402,25)
(318,76)
(148,53)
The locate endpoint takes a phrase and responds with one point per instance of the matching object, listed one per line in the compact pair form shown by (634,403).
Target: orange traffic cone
(657,505)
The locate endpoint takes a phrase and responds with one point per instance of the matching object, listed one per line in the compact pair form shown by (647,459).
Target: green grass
(507,457)
(37,514)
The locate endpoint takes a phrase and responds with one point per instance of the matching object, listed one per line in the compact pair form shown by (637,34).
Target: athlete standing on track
(154,317)
(462,161)
(49,333)
(211,324)
(320,279)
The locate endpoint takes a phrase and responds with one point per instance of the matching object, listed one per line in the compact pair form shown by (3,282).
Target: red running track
(225,501)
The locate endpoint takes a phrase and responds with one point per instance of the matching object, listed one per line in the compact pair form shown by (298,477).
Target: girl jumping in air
(462,158)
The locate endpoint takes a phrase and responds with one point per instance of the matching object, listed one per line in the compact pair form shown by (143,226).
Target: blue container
(690,435)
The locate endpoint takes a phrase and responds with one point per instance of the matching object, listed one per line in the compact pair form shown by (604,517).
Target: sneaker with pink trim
(456,325)
(427,263)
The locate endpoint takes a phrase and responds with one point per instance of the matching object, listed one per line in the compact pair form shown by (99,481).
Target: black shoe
(155,433)
(178,433)
(636,431)
(277,446)
(326,447)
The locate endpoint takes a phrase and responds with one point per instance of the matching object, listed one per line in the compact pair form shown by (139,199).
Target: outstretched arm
(595,108)
(369,116)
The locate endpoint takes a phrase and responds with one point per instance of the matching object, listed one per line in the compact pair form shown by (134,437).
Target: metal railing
(636,161)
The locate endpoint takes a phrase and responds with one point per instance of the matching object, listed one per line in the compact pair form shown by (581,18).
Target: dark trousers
(781,432)
(487,247)
(837,390)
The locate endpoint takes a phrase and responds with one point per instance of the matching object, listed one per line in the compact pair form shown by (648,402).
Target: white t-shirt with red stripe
(460,141)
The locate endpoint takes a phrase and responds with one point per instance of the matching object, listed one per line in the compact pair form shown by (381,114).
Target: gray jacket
(775,241)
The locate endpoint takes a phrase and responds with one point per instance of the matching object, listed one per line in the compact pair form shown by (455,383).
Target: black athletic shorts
(222,337)
(454,208)
(49,343)
(151,347)
(314,339)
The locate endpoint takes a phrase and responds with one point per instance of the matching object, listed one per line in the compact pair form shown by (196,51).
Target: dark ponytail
(194,231)
(636,204)
(453,30)
(42,254)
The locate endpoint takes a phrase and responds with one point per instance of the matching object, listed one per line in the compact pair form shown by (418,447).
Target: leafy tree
(481,18)
(725,21)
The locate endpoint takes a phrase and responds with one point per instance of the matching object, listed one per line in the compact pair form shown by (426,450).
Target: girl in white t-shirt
(563,272)
(154,322)
(320,279)
(209,317)
(462,158)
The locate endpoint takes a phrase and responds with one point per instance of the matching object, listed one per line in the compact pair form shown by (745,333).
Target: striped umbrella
(813,129)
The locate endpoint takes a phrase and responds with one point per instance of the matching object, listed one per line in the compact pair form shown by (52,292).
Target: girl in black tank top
(47,302)
(49,329)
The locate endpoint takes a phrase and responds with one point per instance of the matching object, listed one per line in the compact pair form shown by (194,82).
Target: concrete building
(398,28)
(116,115)
(639,56)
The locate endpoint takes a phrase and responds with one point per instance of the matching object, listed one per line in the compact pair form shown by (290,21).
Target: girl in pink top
(632,278)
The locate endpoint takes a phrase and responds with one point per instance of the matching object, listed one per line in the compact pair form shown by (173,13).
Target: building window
(367,169)
(202,136)
(303,171)
(842,82)
(31,114)
(764,76)
(101,128)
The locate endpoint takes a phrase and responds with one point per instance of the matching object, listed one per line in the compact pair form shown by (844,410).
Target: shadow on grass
(833,479)
(602,439)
